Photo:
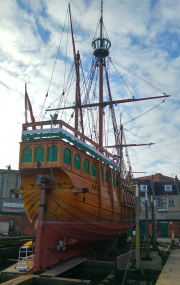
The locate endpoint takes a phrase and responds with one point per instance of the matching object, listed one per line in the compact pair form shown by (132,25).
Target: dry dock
(171,271)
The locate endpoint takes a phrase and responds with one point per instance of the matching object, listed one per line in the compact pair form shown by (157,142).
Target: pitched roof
(158,177)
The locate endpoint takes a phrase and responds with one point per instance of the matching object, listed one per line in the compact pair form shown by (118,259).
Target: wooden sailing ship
(72,187)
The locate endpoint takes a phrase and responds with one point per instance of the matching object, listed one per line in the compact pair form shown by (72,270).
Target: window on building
(142,201)
(171,202)
(159,203)
(168,187)
(143,187)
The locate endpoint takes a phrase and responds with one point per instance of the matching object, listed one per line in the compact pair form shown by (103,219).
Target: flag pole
(25,104)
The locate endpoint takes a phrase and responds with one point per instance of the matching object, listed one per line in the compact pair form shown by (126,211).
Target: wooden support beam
(124,259)
(106,103)
(154,244)
(112,194)
(128,145)
(64,267)
(99,187)
(39,233)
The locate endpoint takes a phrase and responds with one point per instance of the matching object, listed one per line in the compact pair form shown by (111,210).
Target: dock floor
(171,271)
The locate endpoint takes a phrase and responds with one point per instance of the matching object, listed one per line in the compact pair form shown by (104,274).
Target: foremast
(77,91)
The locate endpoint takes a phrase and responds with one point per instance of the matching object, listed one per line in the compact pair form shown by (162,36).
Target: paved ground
(154,263)
(167,239)
(171,271)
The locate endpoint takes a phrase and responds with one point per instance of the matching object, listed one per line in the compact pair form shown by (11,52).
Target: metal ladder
(25,254)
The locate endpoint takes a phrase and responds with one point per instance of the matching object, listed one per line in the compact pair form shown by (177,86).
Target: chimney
(152,185)
(176,182)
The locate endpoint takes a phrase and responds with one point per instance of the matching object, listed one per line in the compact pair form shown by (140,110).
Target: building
(9,179)
(166,192)
(11,205)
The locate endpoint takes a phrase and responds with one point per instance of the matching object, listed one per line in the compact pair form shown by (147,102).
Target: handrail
(62,123)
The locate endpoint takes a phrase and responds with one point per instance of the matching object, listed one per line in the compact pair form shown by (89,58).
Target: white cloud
(143,39)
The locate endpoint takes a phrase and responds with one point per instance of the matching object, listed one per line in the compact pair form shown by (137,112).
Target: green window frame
(86,166)
(113,178)
(116,181)
(39,153)
(77,161)
(67,156)
(93,170)
(102,174)
(27,154)
(54,153)
(107,176)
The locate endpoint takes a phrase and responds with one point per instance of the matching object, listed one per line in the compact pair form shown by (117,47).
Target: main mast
(101,83)
(101,47)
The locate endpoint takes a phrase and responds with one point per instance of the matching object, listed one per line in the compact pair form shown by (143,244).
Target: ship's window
(86,166)
(39,153)
(93,170)
(67,156)
(101,173)
(107,176)
(116,181)
(27,154)
(113,178)
(77,161)
(52,153)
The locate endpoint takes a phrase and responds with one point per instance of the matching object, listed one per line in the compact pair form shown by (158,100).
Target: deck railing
(61,123)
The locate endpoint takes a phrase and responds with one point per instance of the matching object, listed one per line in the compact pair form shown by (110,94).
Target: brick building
(166,192)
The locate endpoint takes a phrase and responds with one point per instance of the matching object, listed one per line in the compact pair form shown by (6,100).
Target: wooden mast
(101,84)
(25,104)
(77,92)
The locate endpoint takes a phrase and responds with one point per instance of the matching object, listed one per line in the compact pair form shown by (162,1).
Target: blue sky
(145,39)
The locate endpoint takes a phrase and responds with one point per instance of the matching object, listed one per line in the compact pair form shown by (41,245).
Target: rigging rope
(136,135)
(106,34)
(111,129)
(123,80)
(145,112)
(52,71)
(66,56)
(97,25)
(137,76)
(83,45)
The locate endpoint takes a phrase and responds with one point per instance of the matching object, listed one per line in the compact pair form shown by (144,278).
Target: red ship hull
(76,238)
